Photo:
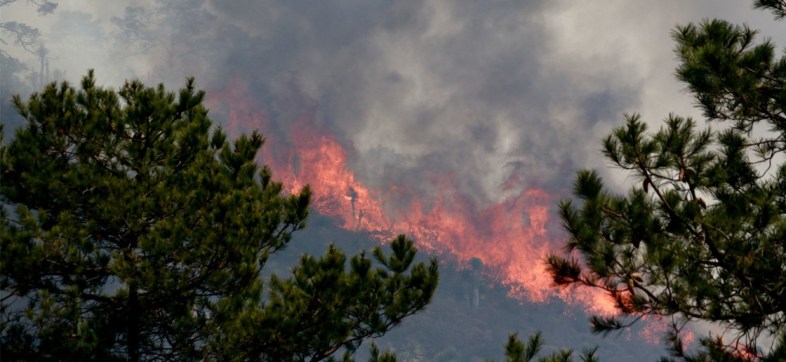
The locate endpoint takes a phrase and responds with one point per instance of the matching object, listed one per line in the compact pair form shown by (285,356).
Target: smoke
(488,92)
(462,118)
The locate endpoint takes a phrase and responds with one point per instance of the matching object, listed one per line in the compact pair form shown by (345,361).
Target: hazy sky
(484,92)
(482,89)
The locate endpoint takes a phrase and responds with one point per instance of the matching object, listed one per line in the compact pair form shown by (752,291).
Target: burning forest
(460,124)
(511,237)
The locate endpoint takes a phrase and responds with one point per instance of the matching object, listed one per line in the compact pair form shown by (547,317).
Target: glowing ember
(509,237)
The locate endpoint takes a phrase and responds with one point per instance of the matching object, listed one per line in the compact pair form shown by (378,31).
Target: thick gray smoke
(499,96)
(492,93)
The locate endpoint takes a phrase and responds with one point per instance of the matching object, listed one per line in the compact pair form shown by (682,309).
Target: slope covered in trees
(456,328)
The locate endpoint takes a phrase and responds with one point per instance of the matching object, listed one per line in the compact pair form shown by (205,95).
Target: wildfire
(509,237)
(658,326)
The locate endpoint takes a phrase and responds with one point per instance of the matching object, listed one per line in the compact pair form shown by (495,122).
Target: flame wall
(511,236)
(458,122)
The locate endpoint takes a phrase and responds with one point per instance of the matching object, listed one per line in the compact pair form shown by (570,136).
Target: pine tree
(132,229)
(701,235)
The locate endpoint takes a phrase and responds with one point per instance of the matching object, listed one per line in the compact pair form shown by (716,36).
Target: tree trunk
(133,324)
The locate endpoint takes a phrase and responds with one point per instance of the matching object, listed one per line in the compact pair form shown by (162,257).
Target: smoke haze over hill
(460,122)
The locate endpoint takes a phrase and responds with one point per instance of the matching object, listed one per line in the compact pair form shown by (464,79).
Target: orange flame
(657,326)
(509,237)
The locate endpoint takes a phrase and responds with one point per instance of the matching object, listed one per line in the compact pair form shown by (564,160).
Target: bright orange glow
(509,236)
(656,327)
